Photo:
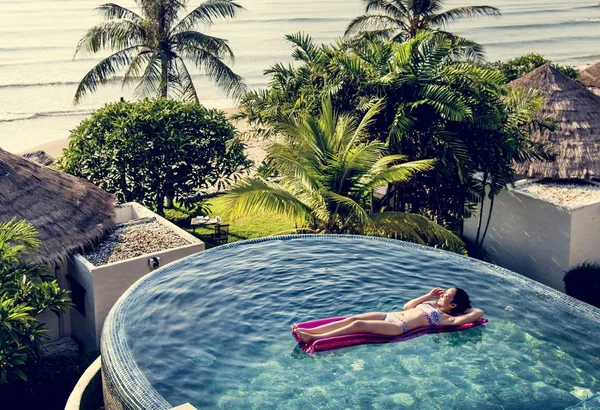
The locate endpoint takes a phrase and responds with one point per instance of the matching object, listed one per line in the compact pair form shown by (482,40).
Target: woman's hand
(435,293)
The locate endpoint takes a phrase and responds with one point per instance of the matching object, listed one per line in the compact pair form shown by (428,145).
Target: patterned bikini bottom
(391,318)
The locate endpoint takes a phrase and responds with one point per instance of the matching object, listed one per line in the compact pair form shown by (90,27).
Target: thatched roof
(69,213)
(590,77)
(40,157)
(576,139)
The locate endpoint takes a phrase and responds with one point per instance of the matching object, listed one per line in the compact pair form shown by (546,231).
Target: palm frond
(355,163)
(207,13)
(394,9)
(232,84)
(103,71)
(112,11)
(136,68)
(447,102)
(214,45)
(258,195)
(293,164)
(349,208)
(368,118)
(415,228)
(151,81)
(460,13)
(396,173)
(304,48)
(184,84)
(16,236)
(381,23)
(112,35)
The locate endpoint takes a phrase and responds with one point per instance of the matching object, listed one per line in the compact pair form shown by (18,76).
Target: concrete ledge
(74,402)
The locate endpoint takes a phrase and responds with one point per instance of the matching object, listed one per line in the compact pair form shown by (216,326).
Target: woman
(417,313)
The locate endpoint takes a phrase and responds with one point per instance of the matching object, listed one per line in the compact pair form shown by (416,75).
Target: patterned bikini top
(431,313)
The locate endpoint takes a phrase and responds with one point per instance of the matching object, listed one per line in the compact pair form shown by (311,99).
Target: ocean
(38,75)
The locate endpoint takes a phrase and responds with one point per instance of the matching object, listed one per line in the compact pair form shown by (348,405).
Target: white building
(542,230)
(70,214)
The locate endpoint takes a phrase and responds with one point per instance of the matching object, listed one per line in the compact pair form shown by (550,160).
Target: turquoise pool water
(213,330)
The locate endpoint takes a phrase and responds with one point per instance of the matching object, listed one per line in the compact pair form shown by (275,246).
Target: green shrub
(517,67)
(583,283)
(50,382)
(178,217)
(151,150)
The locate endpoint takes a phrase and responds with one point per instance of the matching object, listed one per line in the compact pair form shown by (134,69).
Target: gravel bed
(134,239)
(564,194)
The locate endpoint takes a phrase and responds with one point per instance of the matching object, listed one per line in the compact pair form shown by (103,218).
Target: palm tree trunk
(483,183)
(123,186)
(165,78)
(160,203)
(487,224)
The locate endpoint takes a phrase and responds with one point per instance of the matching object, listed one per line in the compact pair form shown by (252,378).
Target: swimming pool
(213,330)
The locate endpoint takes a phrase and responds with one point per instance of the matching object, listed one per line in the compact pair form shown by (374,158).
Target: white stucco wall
(52,323)
(57,326)
(105,284)
(527,235)
(84,328)
(112,280)
(585,235)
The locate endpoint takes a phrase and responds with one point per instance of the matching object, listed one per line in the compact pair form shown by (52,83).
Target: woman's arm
(470,315)
(434,294)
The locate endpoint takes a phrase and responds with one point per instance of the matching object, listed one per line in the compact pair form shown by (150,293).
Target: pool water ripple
(213,330)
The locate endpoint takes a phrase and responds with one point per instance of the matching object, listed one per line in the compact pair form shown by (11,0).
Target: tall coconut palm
(402,19)
(329,171)
(154,46)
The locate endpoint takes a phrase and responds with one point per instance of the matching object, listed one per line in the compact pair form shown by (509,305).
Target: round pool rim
(135,391)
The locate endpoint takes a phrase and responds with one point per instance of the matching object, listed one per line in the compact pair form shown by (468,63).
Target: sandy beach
(254,148)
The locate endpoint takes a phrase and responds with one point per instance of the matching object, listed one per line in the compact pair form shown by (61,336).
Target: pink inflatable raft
(338,342)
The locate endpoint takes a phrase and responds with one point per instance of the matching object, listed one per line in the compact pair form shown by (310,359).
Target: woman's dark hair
(462,302)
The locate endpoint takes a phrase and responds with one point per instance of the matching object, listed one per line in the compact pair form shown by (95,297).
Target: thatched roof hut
(576,139)
(590,77)
(69,213)
(40,157)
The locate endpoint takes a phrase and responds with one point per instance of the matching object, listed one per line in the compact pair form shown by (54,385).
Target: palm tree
(402,19)
(426,82)
(511,144)
(329,171)
(153,46)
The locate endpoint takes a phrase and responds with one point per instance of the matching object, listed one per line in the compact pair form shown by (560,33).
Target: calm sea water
(213,330)
(38,77)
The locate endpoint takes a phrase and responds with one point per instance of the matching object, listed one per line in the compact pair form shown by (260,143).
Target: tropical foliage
(50,381)
(440,101)
(153,47)
(329,172)
(26,290)
(150,150)
(399,20)
(518,67)
(509,144)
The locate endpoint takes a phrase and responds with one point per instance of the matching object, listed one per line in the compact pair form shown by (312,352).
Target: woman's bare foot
(305,337)
(295,329)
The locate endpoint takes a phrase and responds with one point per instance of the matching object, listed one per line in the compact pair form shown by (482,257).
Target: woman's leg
(378,327)
(342,323)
